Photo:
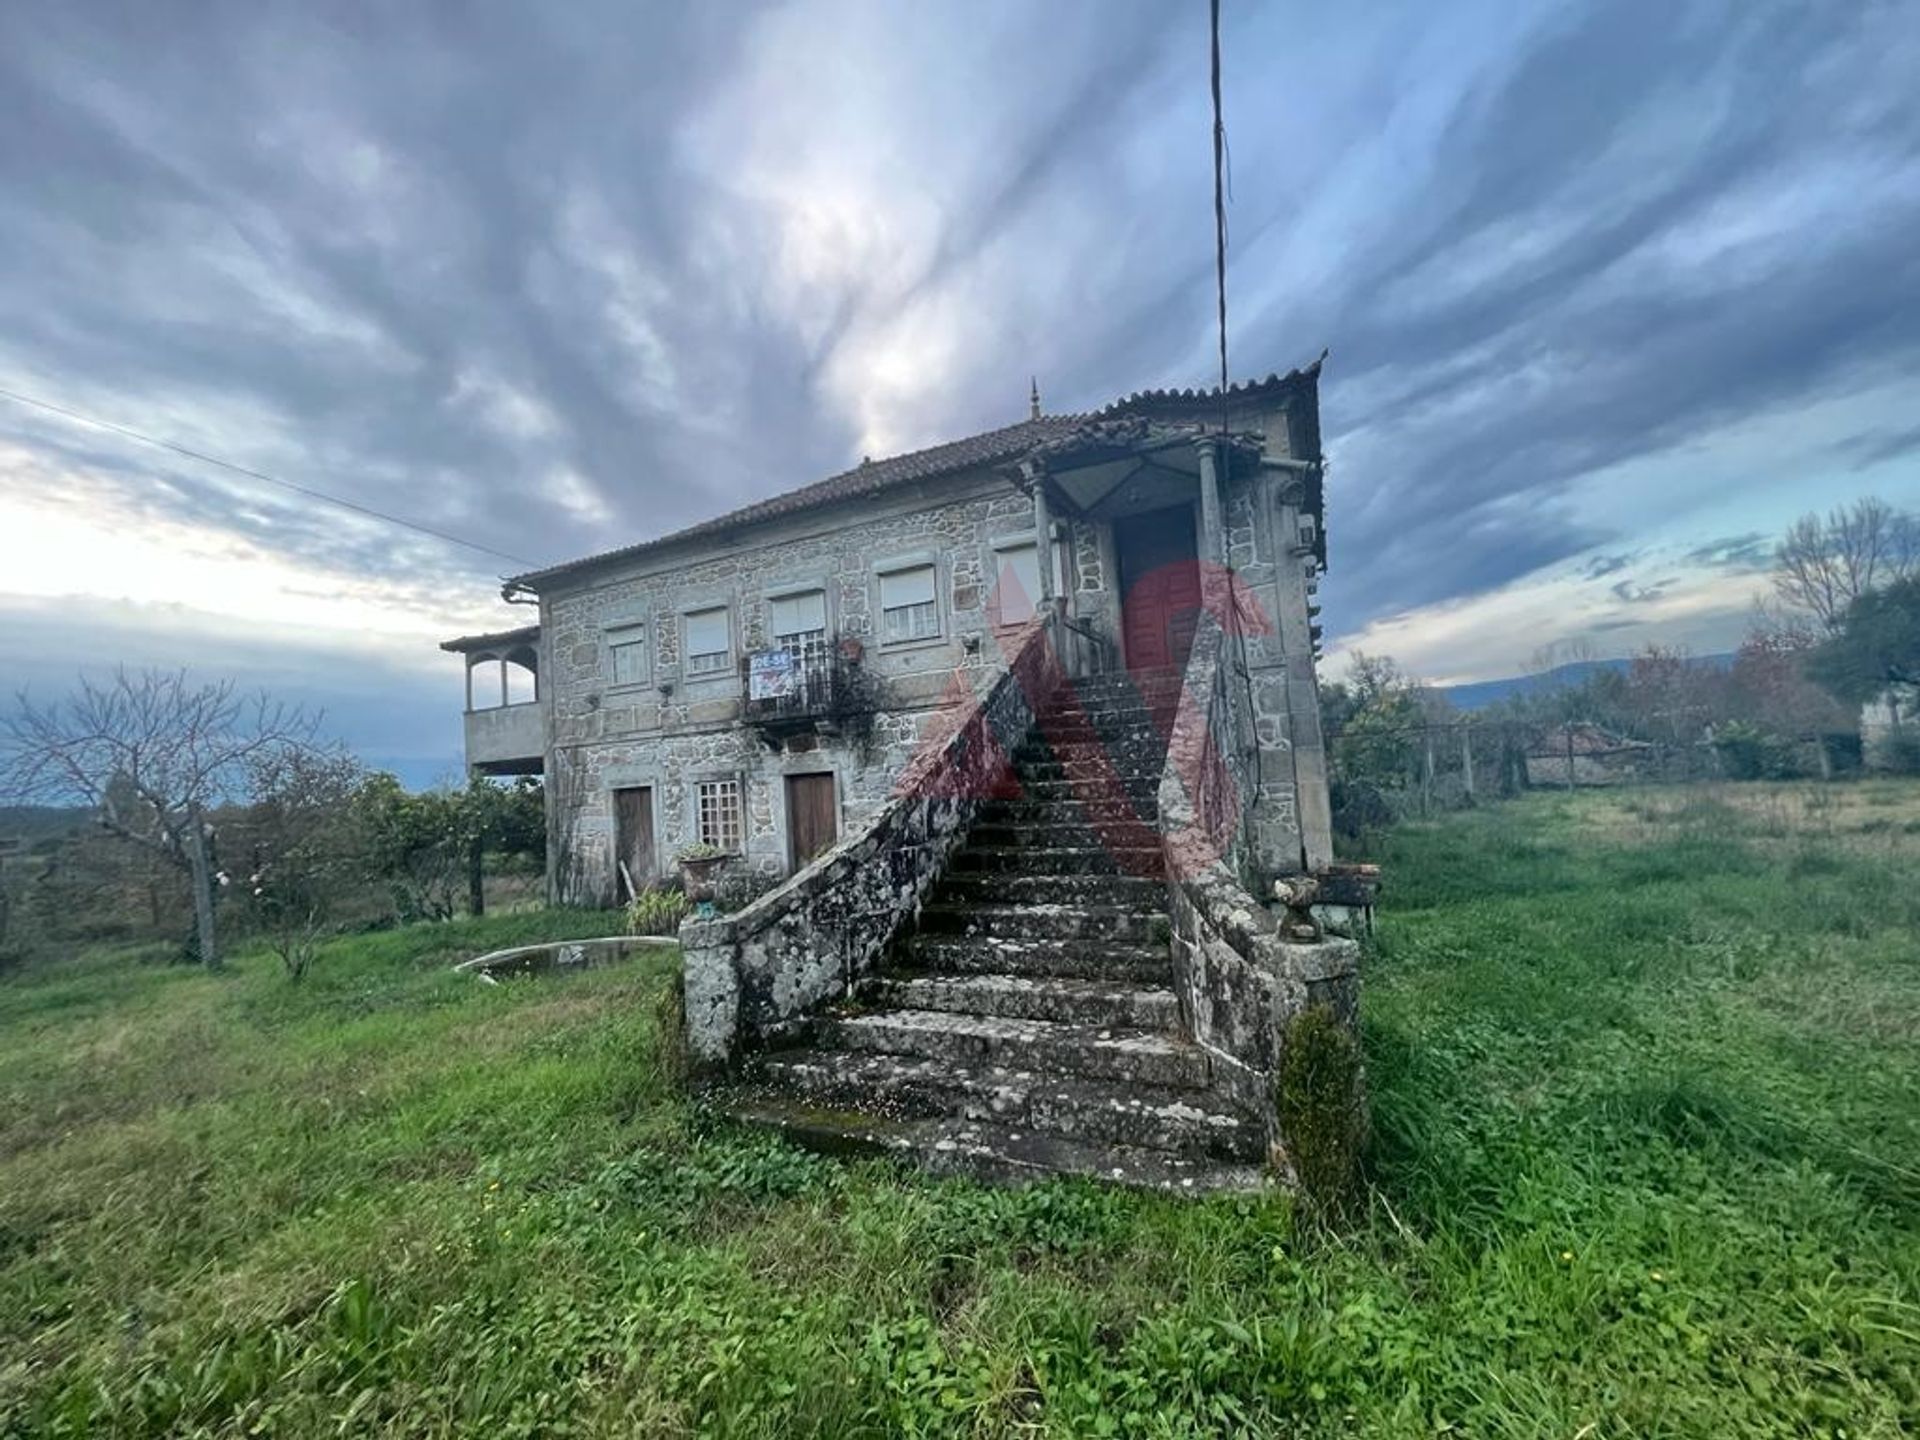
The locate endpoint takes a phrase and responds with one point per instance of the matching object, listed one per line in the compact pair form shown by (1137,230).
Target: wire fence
(1383,773)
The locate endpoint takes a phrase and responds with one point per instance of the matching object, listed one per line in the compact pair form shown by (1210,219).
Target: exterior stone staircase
(1028,1024)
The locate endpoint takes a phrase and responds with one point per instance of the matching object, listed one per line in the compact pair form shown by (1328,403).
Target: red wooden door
(1160,586)
(633,839)
(811,812)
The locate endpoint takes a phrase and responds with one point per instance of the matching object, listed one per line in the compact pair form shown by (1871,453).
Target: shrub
(1749,753)
(1898,753)
(657,910)
(1320,1096)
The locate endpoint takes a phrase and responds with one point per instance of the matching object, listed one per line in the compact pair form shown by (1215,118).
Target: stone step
(1090,1052)
(1115,819)
(1134,773)
(1126,682)
(1040,922)
(1112,718)
(1039,851)
(1095,891)
(1068,830)
(995,1153)
(1099,1003)
(1099,1112)
(1092,790)
(1142,964)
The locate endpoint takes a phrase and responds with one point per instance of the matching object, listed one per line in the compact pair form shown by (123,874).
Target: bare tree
(1821,566)
(153,755)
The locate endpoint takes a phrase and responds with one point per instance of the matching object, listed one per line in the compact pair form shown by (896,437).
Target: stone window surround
(708,680)
(997,545)
(636,777)
(694,781)
(807,762)
(803,585)
(893,565)
(623,620)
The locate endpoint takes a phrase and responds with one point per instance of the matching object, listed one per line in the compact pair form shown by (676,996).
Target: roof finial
(1036,398)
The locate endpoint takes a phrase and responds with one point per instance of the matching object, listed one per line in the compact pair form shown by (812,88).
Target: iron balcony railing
(800,679)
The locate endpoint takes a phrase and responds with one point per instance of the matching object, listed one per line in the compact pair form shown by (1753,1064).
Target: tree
(1876,645)
(153,755)
(416,844)
(1822,566)
(303,850)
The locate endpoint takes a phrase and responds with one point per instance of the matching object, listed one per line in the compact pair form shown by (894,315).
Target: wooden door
(811,816)
(1160,586)
(633,839)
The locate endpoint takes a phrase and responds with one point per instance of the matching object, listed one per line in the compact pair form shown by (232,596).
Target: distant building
(1592,754)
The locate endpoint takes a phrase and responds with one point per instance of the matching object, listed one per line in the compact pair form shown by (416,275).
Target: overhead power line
(1220,205)
(259,475)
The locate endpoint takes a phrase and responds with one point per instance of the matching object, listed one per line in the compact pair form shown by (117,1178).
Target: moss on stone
(1320,1099)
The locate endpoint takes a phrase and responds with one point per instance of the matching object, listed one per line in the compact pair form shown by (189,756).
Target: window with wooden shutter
(627,649)
(708,642)
(907,607)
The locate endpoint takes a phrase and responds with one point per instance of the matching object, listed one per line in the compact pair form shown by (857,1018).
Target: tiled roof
(870,477)
(525,635)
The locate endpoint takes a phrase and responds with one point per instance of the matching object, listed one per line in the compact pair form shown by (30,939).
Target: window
(1016,587)
(628,649)
(800,618)
(718,804)
(907,609)
(799,625)
(707,641)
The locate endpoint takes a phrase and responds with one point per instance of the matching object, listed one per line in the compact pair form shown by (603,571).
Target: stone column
(1043,532)
(1213,530)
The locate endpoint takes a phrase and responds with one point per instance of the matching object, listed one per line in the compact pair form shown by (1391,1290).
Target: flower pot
(701,877)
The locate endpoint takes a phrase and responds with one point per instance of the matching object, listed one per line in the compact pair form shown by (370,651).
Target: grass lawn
(1646,1077)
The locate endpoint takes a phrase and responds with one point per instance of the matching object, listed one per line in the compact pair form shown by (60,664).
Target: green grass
(1646,1078)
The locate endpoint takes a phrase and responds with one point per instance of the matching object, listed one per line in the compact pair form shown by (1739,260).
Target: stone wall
(672,731)
(752,975)
(1240,979)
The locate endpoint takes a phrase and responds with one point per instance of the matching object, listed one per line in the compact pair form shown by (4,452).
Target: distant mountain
(1480,694)
(29,824)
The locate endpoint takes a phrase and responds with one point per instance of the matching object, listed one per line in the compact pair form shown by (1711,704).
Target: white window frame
(710,672)
(1024,540)
(794,592)
(901,565)
(617,636)
(699,808)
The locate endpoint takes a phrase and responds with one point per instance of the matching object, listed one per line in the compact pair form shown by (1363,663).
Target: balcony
(799,687)
(507,739)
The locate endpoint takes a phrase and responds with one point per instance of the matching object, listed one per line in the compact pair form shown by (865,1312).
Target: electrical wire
(252,474)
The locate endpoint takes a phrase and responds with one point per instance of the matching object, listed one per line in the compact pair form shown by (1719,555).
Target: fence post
(1567,730)
(1466,755)
(1426,773)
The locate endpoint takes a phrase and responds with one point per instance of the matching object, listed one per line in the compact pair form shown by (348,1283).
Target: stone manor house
(1047,692)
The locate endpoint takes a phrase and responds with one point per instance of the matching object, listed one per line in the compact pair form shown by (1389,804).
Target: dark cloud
(1880,446)
(1602,565)
(1750,552)
(512,271)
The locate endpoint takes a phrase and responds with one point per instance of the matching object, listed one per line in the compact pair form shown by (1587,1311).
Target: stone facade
(672,730)
(752,976)
(667,725)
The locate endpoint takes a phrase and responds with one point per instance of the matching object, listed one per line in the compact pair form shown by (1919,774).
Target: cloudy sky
(1613,291)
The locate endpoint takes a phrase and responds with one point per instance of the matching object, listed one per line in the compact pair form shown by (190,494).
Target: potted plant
(699,864)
